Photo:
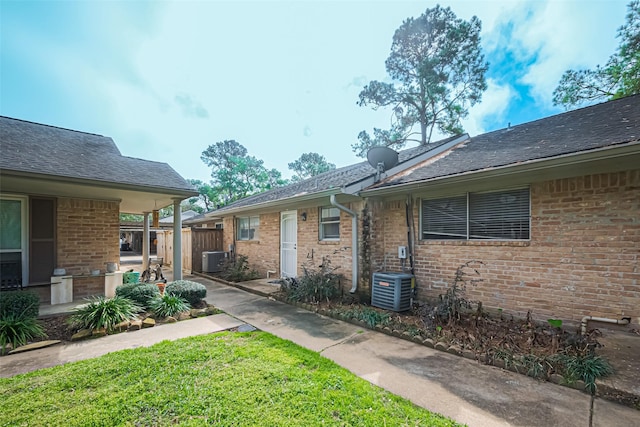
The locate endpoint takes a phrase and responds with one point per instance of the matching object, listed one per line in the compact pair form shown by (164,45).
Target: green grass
(225,379)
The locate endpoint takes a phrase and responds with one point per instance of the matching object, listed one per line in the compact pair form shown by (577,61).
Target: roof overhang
(291,203)
(604,160)
(133,199)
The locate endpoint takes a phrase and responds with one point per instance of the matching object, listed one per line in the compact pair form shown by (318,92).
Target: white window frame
(477,214)
(322,223)
(250,224)
(24,237)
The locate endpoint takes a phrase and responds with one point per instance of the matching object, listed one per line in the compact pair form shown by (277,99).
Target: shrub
(192,292)
(18,329)
(140,293)
(169,305)
(101,312)
(237,270)
(315,285)
(368,315)
(19,303)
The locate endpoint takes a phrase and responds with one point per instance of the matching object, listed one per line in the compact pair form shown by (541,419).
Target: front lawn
(230,378)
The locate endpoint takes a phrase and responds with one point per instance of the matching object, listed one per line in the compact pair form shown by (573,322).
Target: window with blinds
(499,215)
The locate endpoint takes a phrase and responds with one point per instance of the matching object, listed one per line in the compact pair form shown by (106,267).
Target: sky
(166,79)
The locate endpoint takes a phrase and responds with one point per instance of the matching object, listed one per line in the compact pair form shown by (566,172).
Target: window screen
(329,223)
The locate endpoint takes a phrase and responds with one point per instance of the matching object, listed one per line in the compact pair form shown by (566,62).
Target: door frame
(286,252)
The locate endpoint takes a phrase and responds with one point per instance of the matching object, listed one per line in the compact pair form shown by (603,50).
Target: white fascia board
(357,187)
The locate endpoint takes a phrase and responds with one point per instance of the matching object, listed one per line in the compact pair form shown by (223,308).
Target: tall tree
(207,197)
(308,165)
(620,77)
(235,174)
(437,71)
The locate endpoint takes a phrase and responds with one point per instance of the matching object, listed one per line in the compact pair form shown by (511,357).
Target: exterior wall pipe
(354,242)
(585,320)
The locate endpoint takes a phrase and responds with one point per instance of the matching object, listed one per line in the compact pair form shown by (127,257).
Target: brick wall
(582,258)
(264,253)
(87,235)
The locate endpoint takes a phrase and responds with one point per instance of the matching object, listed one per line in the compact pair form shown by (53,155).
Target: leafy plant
(368,315)
(169,305)
(587,368)
(556,323)
(315,285)
(140,293)
(19,304)
(101,312)
(453,302)
(192,292)
(18,329)
(237,270)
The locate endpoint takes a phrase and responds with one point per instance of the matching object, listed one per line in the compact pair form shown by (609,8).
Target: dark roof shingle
(42,149)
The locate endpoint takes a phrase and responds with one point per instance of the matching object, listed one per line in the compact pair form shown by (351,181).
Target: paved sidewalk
(71,352)
(461,389)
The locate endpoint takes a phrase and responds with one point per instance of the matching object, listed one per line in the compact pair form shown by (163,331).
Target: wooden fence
(194,242)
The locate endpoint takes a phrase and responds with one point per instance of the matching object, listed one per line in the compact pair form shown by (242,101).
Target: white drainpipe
(585,320)
(354,242)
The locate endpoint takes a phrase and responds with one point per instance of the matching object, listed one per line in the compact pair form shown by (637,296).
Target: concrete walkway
(461,389)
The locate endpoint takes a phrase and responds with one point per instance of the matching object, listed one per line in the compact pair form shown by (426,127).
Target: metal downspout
(354,242)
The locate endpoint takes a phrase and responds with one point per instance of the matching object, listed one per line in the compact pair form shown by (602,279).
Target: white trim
(24,234)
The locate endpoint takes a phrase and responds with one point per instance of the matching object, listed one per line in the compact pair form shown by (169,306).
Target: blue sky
(167,79)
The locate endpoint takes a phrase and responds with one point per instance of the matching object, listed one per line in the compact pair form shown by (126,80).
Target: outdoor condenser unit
(212,261)
(391,291)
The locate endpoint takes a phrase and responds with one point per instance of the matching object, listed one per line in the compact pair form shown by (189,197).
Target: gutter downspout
(354,242)
(585,320)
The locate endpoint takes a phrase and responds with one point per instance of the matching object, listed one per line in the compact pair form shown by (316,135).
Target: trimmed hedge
(193,292)
(140,293)
(23,304)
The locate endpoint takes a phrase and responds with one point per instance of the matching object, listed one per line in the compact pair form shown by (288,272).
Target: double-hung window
(329,223)
(496,215)
(247,227)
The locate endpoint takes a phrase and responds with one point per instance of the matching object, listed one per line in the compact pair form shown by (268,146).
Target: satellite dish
(382,158)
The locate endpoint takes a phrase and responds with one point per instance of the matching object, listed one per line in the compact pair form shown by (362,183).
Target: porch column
(145,240)
(177,240)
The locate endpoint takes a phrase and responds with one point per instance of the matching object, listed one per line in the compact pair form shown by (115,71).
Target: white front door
(288,244)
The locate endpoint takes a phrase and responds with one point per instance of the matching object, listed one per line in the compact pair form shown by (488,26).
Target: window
(329,223)
(499,215)
(248,227)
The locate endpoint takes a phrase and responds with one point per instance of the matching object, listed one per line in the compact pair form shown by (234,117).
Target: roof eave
(538,165)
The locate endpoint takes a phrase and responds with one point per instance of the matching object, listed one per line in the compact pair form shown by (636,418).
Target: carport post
(177,240)
(145,240)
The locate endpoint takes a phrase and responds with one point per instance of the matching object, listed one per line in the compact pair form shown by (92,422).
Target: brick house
(61,193)
(549,211)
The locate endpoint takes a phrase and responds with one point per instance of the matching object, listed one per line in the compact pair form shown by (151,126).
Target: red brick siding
(582,258)
(87,235)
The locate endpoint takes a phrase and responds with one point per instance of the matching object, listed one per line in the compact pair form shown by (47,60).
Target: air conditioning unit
(212,261)
(392,291)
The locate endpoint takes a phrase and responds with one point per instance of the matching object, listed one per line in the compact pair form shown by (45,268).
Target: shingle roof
(334,179)
(41,149)
(598,126)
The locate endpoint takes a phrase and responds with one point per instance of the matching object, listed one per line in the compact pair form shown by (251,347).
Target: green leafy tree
(235,174)
(308,165)
(437,72)
(208,196)
(620,76)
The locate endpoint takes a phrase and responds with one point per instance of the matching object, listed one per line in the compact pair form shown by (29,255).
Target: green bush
(101,312)
(315,285)
(237,270)
(19,303)
(140,293)
(169,305)
(192,292)
(18,329)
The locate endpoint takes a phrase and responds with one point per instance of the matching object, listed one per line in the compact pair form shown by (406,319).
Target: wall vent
(392,291)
